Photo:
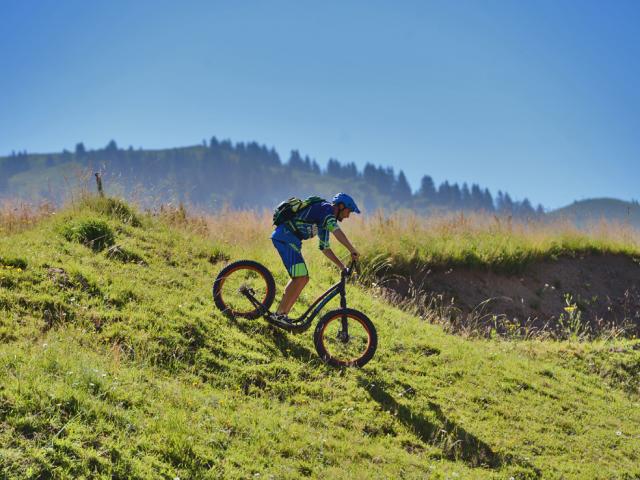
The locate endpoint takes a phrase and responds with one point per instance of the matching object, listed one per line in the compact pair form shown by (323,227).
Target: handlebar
(346,273)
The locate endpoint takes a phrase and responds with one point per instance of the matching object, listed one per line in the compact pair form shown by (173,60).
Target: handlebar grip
(348,271)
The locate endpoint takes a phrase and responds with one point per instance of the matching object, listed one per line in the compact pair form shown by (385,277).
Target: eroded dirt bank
(605,290)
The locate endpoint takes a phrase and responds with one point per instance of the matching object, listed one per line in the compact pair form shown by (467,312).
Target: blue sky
(538,98)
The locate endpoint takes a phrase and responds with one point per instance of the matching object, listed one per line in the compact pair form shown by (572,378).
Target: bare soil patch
(605,290)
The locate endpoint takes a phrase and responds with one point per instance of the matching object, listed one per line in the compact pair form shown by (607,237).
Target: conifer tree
(427,189)
(350,171)
(295,160)
(465,197)
(525,209)
(80,150)
(487,201)
(477,199)
(334,168)
(402,190)
(456,196)
(369,174)
(444,193)
(507,205)
(500,201)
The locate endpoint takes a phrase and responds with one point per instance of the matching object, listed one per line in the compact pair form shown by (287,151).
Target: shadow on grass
(290,348)
(280,339)
(455,442)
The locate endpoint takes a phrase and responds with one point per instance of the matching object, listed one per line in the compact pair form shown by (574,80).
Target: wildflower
(570,308)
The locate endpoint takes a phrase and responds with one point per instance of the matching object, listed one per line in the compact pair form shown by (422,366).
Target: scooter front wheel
(345,338)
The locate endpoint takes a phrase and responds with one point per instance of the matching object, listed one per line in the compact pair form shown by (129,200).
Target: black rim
(249,274)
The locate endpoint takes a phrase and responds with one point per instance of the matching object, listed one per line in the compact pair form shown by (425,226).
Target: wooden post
(99,183)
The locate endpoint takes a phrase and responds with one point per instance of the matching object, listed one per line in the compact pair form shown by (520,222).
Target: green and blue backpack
(287,210)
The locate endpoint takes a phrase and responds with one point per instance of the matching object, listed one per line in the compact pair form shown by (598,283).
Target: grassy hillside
(584,212)
(114,363)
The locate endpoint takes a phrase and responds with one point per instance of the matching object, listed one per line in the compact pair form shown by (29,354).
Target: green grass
(123,369)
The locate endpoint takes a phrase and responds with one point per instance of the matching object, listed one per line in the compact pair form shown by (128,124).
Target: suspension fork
(343,334)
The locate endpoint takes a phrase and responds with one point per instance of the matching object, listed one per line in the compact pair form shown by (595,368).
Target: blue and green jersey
(317,219)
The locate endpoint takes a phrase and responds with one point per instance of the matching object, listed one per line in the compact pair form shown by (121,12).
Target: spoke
(243,279)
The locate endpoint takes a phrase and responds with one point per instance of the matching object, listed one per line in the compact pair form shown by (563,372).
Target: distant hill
(595,209)
(243,175)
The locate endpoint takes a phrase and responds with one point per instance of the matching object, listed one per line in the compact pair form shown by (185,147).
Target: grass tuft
(124,255)
(91,232)
(13,262)
(113,208)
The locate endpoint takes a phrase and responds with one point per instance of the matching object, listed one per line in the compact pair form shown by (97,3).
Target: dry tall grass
(404,237)
(18,216)
(477,239)
(246,228)
(459,238)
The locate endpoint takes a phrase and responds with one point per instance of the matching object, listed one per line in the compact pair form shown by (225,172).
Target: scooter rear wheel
(243,274)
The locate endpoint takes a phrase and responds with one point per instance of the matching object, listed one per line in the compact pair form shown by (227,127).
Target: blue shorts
(290,249)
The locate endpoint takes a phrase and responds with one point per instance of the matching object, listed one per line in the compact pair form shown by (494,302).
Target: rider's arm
(323,235)
(332,256)
(342,238)
(329,225)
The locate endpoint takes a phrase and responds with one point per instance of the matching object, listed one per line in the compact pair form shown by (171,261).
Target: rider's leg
(291,293)
(294,263)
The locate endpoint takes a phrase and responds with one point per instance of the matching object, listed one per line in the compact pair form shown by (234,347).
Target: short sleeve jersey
(317,219)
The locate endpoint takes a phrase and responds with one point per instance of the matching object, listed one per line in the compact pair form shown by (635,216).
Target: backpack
(287,210)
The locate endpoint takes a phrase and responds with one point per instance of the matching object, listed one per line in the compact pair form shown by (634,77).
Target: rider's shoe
(280,318)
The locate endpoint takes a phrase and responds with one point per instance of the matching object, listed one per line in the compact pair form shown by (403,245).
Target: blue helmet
(347,201)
